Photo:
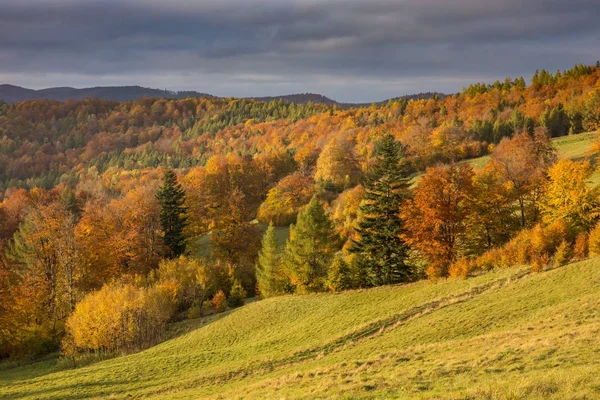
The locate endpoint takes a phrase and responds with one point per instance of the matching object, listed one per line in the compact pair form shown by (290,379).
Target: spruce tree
(171,197)
(268,277)
(380,249)
(310,248)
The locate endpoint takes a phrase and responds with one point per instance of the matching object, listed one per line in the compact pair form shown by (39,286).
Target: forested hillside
(120,218)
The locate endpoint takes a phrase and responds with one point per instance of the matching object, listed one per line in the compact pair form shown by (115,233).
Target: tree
(337,165)
(45,249)
(339,277)
(172,214)
(310,248)
(493,217)
(268,268)
(436,218)
(568,196)
(236,240)
(380,230)
(285,200)
(522,162)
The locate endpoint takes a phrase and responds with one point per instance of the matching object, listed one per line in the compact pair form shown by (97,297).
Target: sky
(349,50)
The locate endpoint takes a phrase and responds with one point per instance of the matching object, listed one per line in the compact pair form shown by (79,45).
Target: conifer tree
(268,277)
(171,197)
(69,202)
(380,248)
(310,248)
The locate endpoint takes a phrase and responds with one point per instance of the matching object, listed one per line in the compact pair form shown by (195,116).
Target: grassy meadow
(507,334)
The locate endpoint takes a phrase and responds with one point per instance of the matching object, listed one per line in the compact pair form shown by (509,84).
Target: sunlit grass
(505,334)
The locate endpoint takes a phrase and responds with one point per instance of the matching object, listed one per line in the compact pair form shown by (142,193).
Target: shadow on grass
(94,392)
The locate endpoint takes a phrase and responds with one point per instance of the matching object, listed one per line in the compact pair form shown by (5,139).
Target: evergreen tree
(171,197)
(381,251)
(310,248)
(268,276)
(69,202)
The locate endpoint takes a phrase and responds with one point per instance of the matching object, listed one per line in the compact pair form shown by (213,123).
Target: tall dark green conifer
(172,214)
(380,249)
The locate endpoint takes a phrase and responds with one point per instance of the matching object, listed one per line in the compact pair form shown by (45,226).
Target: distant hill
(303,98)
(13,94)
(300,98)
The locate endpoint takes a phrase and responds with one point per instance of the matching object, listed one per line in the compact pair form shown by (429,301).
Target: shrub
(187,279)
(237,296)
(536,246)
(594,241)
(540,262)
(581,249)
(195,311)
(207,307)
(119,317)
(563,254)
(461,268)
(219,302)
(340,276)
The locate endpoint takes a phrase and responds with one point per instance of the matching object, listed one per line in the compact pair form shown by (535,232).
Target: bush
(594,241)
(119,317)
(461,268)
(195,311)
(581,249)
(339,277)
(563,254)
(219,302)
(187,279)
(237,296)
(536,247)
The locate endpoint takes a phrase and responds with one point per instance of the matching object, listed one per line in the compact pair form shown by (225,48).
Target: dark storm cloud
(352,50)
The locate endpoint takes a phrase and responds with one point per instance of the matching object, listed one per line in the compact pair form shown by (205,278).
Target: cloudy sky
(350,50)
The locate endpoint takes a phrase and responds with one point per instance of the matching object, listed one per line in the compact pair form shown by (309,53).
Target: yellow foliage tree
(569,197)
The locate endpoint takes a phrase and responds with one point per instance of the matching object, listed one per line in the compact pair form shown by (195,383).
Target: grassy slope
(506,334)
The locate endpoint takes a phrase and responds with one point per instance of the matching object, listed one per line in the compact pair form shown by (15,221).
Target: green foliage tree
(340,275)
(237,296)
(171,197)
(268,267)
(310,248)
(380,245)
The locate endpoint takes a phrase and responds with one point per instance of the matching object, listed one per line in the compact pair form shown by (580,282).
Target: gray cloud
(348,49)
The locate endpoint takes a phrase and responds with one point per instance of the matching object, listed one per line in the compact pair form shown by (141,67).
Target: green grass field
(507,334)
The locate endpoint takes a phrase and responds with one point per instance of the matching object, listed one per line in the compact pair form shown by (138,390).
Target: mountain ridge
(14,94)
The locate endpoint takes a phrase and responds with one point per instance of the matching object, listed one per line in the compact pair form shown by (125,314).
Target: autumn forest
(120,218)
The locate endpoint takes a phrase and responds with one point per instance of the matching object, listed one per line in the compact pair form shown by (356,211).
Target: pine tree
(268,277)
(171,197)
(380,248)
(310,248)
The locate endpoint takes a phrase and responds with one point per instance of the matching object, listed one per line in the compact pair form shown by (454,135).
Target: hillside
(574,148)
(506,334)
